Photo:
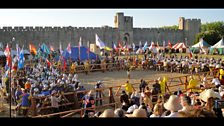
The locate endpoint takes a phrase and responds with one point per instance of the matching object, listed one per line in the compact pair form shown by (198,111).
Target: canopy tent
(179,45)
(219,46)
(75,54)
(202,46)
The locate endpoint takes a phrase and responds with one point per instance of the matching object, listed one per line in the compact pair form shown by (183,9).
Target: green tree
(175,27)
(211,32)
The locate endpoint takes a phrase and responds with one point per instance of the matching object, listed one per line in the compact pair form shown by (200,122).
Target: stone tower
(191,28)
(124,24)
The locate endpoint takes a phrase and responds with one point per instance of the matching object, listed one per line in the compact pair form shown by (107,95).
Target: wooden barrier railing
(72,112)
(110,96)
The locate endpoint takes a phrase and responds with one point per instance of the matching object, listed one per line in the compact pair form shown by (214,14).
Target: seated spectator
(108,113)
(119,113)
(216,82)
(173,105)
(157,110)
(132,108)
(138,113)
(186,104)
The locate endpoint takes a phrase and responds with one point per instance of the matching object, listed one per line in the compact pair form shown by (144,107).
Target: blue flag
(21,60)
(145,46)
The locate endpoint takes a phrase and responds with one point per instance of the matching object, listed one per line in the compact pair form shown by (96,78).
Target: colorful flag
(21,59)
(133,46)
(48,63)
(7,50)
(157,44)
(69,48)
(119,45)
(99,43)
(169,44)
(140,44)
(32,49)
(164,44)
(17,51)
(191,54)
(51,48)
(145,46)
(60,48)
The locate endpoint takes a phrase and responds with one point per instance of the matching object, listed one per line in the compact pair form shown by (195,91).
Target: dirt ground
(120,77)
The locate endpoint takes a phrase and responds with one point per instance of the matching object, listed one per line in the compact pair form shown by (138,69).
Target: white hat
(173,103)
(53,92)
(108,113)
(35,89)
(221,93)
(208,93)
(132,108)
(139,113)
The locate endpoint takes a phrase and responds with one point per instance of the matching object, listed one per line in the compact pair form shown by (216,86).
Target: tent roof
(75,54)
(201,43)
(179,45)
(219,44)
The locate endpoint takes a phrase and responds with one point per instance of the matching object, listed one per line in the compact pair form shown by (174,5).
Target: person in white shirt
(216,81)
(55,101)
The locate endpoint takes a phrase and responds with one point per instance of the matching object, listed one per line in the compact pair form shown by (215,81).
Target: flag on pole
(119,45)
(79,45)
(191,54)
(48,63)
(133,46)
(145,46)
(169,44)
(32,49)
(51,48)
(21,59)
(7,50)
(60,48)
(157,44)
(17,51)
(140,44)
(88,50)
(69,48)
(99,43)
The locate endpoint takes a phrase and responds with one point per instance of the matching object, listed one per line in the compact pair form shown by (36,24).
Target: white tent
(201,44)
(219,44)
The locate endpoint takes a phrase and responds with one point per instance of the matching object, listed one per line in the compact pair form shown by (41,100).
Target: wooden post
(111,97)
(186,83)
(33,106)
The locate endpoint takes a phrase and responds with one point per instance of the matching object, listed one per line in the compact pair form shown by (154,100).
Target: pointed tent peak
(219,44)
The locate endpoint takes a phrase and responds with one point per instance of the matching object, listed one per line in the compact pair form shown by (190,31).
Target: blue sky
(100,17)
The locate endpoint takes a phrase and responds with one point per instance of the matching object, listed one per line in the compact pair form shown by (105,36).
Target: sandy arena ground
(120,77)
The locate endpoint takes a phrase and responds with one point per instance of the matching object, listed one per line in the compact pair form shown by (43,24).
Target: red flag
(7,50)
(169,44)
(191,54)
(64,64)
(119,45)
(9,61)
(48,63)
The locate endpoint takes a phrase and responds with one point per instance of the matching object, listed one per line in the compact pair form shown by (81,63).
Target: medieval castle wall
(188,28)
